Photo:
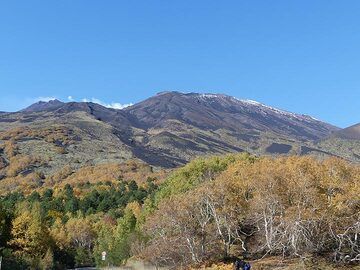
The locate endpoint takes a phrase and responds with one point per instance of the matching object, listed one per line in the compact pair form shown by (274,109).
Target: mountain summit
(218,111)
(44,106)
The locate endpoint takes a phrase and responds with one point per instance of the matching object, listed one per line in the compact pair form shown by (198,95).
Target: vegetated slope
(206,211)
(166,130)
(47,147)
(63,136)
(345,142)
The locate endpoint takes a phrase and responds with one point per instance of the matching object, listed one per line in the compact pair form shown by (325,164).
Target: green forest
(210,210)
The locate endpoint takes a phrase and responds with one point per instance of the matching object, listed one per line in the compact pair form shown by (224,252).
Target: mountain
(44,106)
(216,111)
(187,125)
(165,130)
(350,133)
(344,142)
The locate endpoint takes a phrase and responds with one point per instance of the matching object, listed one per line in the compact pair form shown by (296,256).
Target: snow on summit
(255,104)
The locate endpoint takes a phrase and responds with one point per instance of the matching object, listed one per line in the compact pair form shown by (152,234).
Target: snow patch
(264,109)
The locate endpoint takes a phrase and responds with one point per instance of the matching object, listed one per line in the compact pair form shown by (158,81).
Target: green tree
(5,227)
(115,241)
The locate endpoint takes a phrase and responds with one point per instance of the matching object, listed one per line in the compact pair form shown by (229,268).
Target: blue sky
(302,56)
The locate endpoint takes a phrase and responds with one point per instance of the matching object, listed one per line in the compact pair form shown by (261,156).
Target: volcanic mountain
(44,106)
(212,112)
(187,125)
(166,130)
(170,128)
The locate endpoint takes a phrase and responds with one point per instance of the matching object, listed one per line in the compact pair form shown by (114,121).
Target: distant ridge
(350,133)
(43,106)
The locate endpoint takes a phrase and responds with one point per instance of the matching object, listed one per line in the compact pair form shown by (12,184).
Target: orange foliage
(58,135)
(293,206)
(10,148)
(130,170)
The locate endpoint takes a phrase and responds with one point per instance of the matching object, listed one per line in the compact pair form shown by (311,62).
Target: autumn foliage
(202,214)
(293,207)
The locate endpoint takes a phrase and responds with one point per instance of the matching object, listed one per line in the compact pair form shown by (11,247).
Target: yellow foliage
(112,172)
(59,234)
(293,206)
(135,208)
(30,236)
(52,134)
(19,163)
(10,148)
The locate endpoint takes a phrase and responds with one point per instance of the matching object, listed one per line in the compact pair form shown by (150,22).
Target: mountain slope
(211,112)
(186,125)
(345,142)
(166,130)
(350,133)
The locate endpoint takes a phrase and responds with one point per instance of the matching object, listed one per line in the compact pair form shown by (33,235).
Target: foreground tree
(30,236)
(292,206)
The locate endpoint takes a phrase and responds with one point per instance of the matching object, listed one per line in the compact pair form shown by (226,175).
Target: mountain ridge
(165,130)
(216,106)
(55,103)
(350,133)
(43,105)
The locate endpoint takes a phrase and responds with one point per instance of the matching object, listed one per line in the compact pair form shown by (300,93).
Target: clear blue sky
(301,55)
